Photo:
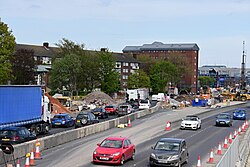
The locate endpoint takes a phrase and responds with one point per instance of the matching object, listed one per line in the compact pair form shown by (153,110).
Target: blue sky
(217,26)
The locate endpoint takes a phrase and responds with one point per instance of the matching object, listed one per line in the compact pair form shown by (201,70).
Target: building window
(125,64)
(125,70)
(124,77)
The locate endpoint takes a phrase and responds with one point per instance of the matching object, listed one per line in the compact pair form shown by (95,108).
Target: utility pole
(243,68)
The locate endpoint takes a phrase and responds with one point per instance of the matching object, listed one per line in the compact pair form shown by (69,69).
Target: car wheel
(133,155)
(122,160)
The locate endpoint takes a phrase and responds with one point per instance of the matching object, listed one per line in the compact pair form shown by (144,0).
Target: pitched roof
(121,57)
(39,51)
(162,46)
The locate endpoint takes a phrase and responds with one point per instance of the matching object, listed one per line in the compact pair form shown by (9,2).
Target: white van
(161,97)
(154,97)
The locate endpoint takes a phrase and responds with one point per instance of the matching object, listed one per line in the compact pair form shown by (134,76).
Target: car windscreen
(123,107)
(109,107)
(111,144)
(190,119)
(144,101)
(223,116)
(80,116)
(241,111)
(167,146)
(7,133)
(59,117)
(97,110)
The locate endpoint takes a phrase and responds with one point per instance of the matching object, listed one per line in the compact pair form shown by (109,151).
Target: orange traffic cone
(243,127)
(199,162)
(219,152)
(32,159)
(246,124)
(225,143)
(168,127)
(27,162)
(211,158)
(239,131)
(230,140)
(37,153)
(18,163)
(235,134)
(129,123)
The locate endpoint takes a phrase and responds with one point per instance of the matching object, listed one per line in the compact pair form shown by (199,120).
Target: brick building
(158,50)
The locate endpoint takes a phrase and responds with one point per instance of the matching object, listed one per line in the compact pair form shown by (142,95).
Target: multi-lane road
(144,133)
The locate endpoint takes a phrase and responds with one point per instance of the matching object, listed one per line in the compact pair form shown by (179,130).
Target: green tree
(206,81)
(109,77)
(139,79)
(64,72)
(7,48)
(161,74)
(23,67)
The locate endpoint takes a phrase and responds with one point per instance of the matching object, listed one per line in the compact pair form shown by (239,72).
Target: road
(144,133)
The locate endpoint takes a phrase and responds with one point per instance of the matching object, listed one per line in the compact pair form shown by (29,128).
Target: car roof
(12,128)
(172,139)
(61,114)
(116,138)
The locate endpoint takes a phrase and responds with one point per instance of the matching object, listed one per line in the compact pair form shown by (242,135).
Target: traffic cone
(230,140)
(239,131)
(225,143)
(219,152)
(246,124)
(199,162)
(27,162)
(129,123)
(18,163)
(37,153)
(235,134)
(243,127)
(168,127)
(211,158)
(32,159)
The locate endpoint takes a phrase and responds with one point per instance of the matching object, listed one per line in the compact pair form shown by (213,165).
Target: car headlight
(152,155)
(173,157)
(95,152)
(116,154)
(63,122)
(182,124)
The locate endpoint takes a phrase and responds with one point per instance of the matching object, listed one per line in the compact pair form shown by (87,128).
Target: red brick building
(158,50)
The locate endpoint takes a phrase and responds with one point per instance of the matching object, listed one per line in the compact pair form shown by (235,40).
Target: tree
(109,77)
(139,79)
(23,67)
(206,81)
(7,48)
(161,74)
(64,72)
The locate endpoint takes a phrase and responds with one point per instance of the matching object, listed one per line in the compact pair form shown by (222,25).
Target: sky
(218,27)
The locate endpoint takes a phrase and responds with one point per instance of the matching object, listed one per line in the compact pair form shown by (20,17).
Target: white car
(191,122)
(144,104)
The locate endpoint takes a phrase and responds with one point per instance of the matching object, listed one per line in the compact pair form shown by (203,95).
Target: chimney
(46,44)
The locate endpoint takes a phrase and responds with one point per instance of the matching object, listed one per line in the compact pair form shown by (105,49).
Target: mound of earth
(99,98)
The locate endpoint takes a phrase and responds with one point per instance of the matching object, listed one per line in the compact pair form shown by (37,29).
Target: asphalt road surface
(144,133)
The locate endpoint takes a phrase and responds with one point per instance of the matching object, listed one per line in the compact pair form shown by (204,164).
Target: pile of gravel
(98,98)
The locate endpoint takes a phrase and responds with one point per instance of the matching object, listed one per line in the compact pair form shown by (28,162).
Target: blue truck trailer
(25,105)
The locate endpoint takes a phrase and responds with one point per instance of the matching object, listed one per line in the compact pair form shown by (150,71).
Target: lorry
(137,94)
(25,106)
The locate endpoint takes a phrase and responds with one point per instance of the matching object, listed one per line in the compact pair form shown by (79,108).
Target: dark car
(240,114)
(224,119)
(15,135)
(85,118)
(100,113)
(64,120)
(169,152)
(111,109)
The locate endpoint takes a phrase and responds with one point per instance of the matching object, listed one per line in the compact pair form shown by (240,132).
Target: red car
(111,109)
(114,150)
